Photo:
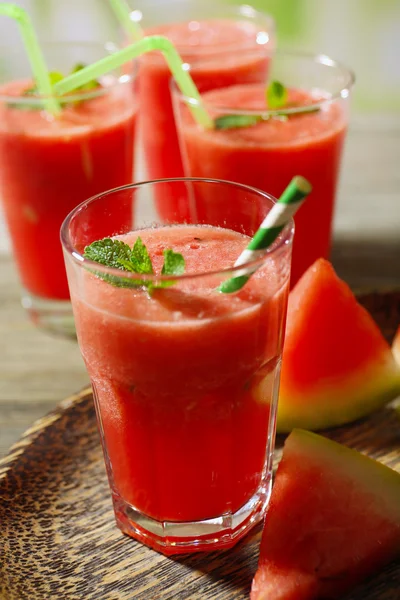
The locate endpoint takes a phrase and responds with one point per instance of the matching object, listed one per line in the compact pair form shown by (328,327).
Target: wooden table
(37,370)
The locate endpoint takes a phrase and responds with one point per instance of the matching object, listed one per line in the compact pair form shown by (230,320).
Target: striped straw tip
(302,184)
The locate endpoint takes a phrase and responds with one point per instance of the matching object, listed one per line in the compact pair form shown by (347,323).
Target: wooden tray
(58,539)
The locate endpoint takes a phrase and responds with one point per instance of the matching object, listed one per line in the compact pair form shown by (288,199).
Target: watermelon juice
(48,165)
(269,153)
(185,381)
(221,52)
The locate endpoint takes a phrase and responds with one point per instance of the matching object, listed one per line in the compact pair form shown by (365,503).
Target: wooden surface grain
(36,369)
(58,537)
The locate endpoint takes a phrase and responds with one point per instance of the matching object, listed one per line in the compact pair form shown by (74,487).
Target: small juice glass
(51,163)
(223,44)
(269,153)
(185,378)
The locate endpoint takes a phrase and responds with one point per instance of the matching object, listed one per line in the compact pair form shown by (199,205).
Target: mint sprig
(86,87)
(108,252)
(140,259)
(174,263)
(276,96)
(118,255)
(55,77)
(236,121)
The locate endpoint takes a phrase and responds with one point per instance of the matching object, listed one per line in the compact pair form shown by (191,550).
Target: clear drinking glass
(51,163)
(223,44)
(185,378)
(269,152)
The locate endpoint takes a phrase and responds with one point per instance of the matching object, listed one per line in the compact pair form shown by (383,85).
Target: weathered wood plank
(36,370)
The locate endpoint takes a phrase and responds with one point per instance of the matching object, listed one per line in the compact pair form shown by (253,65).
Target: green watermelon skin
(336,366)
(333,520)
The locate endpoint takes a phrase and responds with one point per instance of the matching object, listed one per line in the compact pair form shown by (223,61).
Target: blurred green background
(365,34)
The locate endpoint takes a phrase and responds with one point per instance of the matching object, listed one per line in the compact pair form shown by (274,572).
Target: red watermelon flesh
(336,366)
(333,520)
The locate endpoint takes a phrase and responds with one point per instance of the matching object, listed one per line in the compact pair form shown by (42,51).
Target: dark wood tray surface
(58,538)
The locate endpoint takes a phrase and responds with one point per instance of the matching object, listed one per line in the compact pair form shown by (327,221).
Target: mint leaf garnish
(118,255)
(78,67)
(90,85)
(140,259)
(236,121)
(276,95)
(55,77)
(174,263)
(126,265)
(108,252)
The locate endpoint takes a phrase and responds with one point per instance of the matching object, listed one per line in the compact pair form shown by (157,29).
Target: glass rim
(229,12)
(38,99)
(286,236)
(319,59)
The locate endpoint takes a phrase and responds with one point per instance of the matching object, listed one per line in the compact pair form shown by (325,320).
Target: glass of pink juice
(222,44)
(185,378)
(305,136)
(49,164)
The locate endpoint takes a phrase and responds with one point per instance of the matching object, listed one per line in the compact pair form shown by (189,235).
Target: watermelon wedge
(333,520)
(336,367)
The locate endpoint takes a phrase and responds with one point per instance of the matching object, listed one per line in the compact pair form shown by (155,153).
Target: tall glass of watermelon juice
(185,378)
(49,164)
(223,45)
(305,136)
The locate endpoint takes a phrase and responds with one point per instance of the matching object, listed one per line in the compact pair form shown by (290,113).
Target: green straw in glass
(36,59)
(148,44)
(123,13)
(277,218)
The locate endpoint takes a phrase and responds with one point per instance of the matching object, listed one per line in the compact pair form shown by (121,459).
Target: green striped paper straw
(123,13)
(277,218)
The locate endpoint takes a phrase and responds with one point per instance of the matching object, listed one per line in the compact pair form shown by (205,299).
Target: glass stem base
(171,538)
(54,316)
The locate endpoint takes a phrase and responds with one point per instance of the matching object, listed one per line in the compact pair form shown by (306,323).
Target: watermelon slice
(337,366)
(333,520)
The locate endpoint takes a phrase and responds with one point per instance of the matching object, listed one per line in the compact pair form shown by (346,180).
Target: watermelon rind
(332,521)
(337,366)
(375,477)
(334,404)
